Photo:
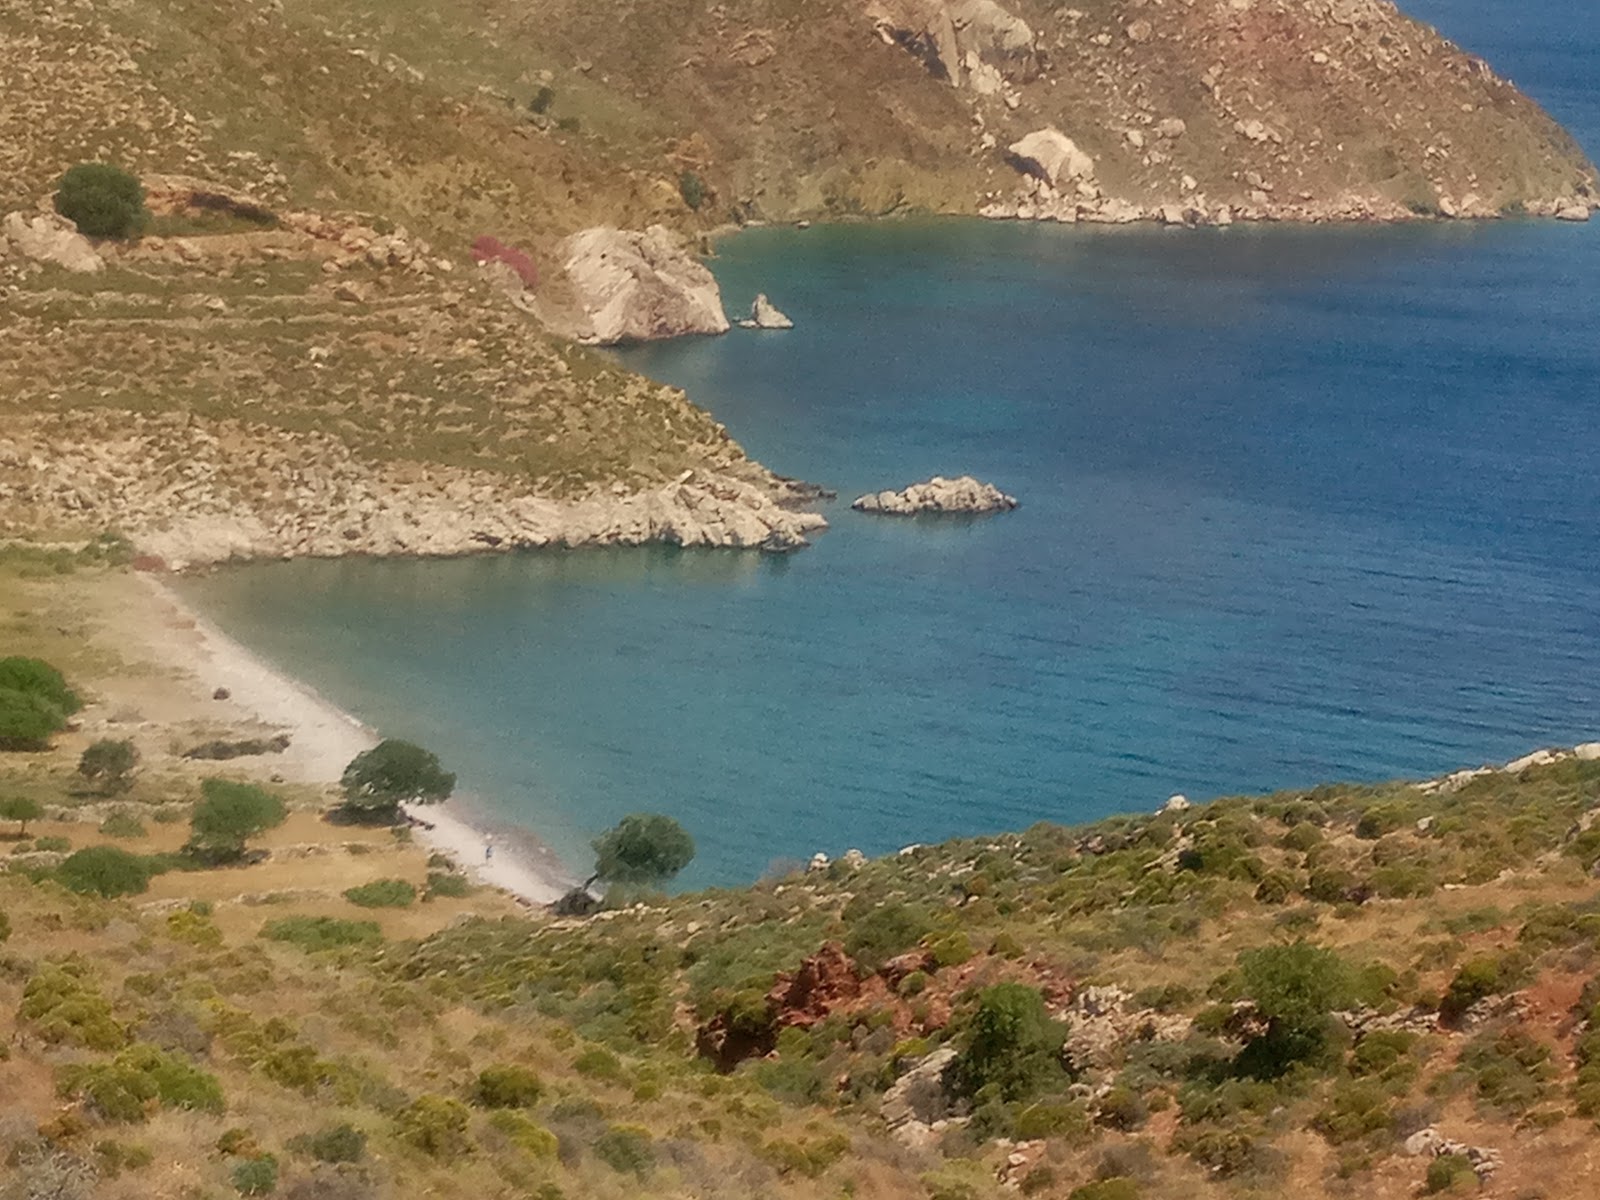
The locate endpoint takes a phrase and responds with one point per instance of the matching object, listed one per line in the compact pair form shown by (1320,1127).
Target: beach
(217,680)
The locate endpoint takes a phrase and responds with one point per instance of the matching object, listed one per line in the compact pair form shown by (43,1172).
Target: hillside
(1354,990)
(301,356)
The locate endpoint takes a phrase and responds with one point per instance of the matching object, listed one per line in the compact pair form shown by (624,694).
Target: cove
(1298,504)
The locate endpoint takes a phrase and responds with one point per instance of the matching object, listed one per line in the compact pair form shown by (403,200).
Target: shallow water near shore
(1297,505)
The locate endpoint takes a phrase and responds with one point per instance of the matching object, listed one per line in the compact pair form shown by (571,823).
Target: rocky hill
(312,350)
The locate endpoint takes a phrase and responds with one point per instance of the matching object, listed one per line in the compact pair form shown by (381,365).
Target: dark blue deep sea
(1298,505)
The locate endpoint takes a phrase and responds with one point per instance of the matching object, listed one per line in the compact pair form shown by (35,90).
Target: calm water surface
(1298,505)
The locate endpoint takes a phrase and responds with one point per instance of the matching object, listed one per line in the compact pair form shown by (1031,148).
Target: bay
(1298,504)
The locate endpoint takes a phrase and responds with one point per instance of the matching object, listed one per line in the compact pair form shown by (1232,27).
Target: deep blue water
(1297,505)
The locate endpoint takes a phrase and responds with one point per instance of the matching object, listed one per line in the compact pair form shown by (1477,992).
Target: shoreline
(324,738)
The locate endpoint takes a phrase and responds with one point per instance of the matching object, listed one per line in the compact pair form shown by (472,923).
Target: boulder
(976,44)
(636,287)
(1052,156)
(938,495)
(763,315)
(49,238)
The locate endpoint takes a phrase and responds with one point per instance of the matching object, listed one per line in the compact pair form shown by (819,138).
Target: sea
(1297,505)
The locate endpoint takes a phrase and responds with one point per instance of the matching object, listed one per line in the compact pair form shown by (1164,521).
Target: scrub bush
(103,201)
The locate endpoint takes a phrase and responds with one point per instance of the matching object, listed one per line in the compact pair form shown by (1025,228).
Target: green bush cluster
(342,1143)
(228,815)
(382,893)
(256,1176)
(322,933)
(435,1125)
(109,763)
(66,1009)
(1510,1069)
(627,1150)
(35,703)
(139,1079)
(1010,1048)
(510,1086)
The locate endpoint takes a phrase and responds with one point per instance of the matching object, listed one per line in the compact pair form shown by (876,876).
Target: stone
(1573,212)
(1052,156)
(976,44)
(636,287)
(852,859)
(1140,31)
(1588,752)
(938,495)
(918,1098)
(764,315)
(1177,804)
(819,862)
(49,238)
(1171,128)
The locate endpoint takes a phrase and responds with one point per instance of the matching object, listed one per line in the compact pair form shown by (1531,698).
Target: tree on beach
(21,810)
(35,702)
(643,848)
(394,772)
(109,764)
(229,815)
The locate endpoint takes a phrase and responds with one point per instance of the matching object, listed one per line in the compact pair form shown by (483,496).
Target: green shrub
(1450,1172)
(122,824)
(1066,1119)
(436,1125)
(1510,1070)
(322,933)
(1276,887)
(448,884)
(35,677)
(1121,1108)
(627,1150)
(1296,988)
(52,845)
(531,1138)
(66,1009)
(1355,1110)
(506,1087)
(879,932)
(27,721)
(256,1176)
(109,764)
(332,1144)
(382,893)
(598,1063)
(693,189)
(138,1079)
(105,871)
(1010,1044)
(950,950)
(1476,980)
(103,201)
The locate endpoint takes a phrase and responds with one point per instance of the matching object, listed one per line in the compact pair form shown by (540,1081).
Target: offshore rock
(764,315)
(639,287)
(938,495)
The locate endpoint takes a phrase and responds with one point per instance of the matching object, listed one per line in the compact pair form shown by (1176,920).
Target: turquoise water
(1297,505)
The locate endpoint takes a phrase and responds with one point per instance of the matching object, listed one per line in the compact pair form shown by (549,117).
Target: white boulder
(1052,156)
(49,238)
(637,287)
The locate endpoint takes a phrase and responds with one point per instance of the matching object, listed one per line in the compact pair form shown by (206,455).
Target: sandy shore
(323,740)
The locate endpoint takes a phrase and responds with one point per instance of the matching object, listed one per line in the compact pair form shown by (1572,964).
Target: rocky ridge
(195,509)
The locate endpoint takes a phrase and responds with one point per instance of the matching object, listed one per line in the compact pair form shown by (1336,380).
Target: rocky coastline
(165,484)
(964,495)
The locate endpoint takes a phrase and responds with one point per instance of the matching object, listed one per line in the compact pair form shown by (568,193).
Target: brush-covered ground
(1255,997)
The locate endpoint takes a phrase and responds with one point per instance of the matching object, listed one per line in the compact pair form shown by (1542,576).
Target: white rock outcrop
(938,495)
(49,238)
(638,287)
(977,44)
(765,315)
(1050,155)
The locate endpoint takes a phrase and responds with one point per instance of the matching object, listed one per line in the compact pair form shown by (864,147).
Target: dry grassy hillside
(1376,991)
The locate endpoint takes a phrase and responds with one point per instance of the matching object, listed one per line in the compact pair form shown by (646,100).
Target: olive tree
(229,815)
(1296,988)
(21,810)
(643,848)
(394,772)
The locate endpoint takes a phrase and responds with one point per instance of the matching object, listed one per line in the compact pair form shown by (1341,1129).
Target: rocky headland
(963,495)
